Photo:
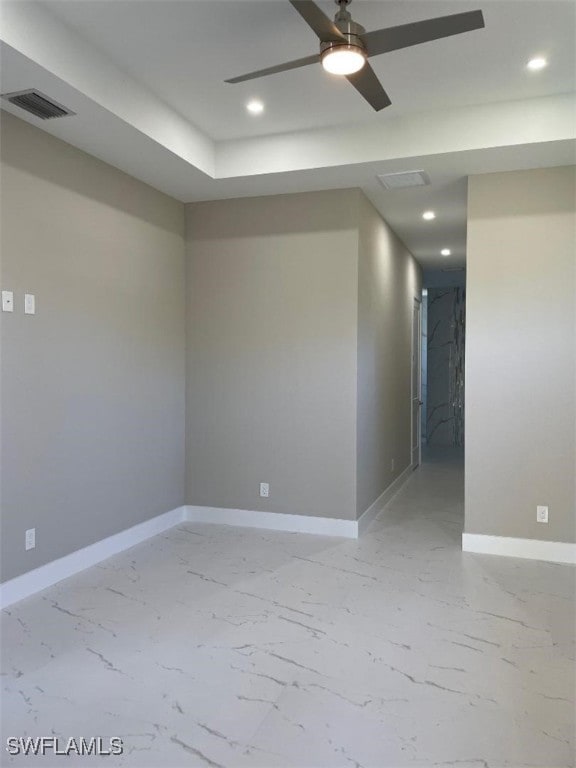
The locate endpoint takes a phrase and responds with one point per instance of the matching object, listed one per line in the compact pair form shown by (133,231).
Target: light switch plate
(30,538)
(7,301)
(29,304)
(542,514)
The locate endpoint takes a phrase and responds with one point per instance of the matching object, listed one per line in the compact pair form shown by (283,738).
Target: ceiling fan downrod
(351,32)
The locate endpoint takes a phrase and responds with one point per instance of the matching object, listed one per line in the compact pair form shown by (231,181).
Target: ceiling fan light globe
(343,59)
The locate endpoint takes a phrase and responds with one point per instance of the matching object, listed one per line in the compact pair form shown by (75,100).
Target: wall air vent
(403,179)
(38,104)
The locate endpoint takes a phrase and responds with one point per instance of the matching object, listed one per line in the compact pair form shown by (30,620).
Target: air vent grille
(38,104)
(403,179)
(454,269)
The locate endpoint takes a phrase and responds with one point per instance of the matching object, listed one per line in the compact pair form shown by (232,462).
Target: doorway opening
(443,347)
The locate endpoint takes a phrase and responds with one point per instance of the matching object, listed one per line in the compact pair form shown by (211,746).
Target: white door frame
(416,392)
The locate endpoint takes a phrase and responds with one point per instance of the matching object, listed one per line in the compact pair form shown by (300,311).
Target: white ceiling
(184,54)
(146,80)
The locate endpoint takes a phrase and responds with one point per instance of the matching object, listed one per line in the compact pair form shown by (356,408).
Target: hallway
(221,646)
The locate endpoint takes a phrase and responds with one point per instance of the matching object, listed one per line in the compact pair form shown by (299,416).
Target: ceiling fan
(345,46)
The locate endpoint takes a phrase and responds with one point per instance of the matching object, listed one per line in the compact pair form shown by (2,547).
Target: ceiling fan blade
(325,29)
(405,35)
(368,85)
(278,68)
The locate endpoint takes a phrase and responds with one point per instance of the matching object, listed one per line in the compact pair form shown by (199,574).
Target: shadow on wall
(85,177)
(445,381)
(276,216)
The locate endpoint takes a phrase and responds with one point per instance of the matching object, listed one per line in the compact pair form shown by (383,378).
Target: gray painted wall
(299,328)
(271,378)
(93,385)
(446,341)
(389,281)
(280,337)
(437,278)
(520,354)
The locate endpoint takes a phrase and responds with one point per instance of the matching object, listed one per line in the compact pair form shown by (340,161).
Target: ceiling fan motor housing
(351,31)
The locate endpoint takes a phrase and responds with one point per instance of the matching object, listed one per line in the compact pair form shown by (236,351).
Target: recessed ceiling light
(255,107)
(445,252)
(428,215)
(538,63)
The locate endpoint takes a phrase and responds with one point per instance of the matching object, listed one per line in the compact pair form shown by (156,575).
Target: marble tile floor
(221,646)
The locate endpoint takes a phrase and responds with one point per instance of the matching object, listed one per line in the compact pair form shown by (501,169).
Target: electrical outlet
(264,490)
(7,301)
(542,514)
(30,538)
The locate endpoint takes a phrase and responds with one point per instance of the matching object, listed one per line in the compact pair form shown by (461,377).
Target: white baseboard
(46,575)
(369,514)
(275,521)
(531,549)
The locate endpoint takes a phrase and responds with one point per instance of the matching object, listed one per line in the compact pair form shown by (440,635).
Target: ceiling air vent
(37,104)
(403,179)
